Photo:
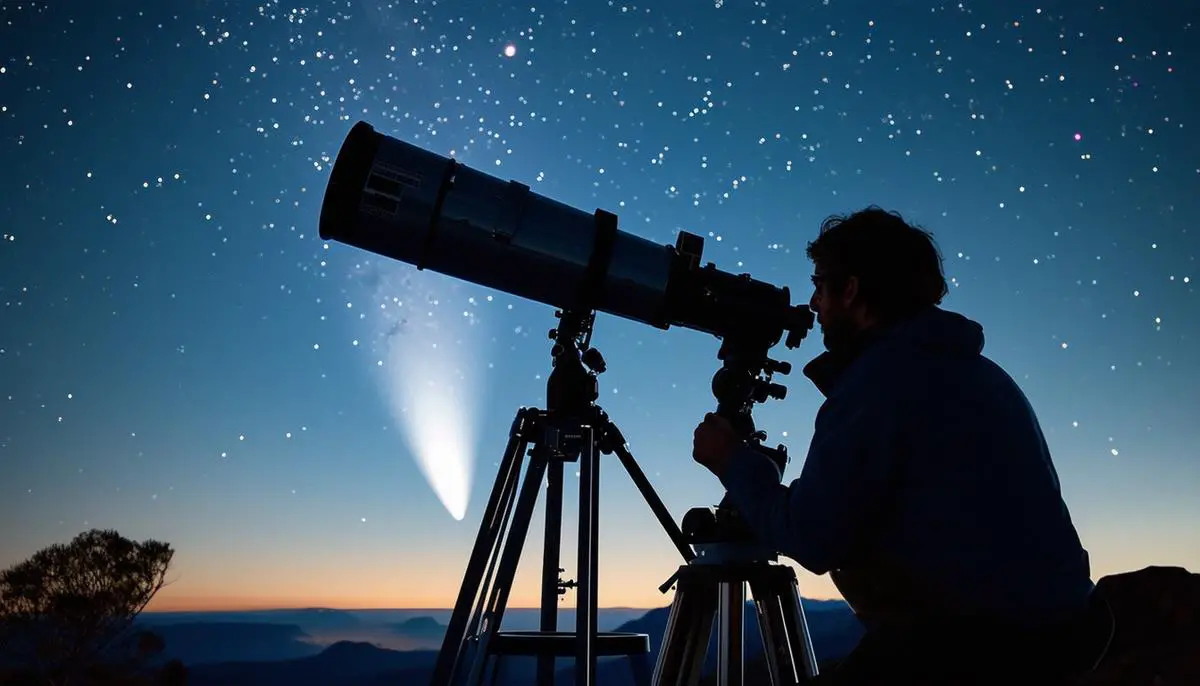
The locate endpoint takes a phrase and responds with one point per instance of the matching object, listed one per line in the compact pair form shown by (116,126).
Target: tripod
(572,428)
(711,588)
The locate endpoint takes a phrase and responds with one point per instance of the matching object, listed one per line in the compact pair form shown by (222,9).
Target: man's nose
(813,302)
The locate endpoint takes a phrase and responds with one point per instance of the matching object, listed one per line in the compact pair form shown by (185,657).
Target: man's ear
(850,292)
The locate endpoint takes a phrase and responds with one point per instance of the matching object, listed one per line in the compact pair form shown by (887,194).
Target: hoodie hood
(932,330)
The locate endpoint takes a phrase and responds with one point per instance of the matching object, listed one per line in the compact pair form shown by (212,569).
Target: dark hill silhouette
(420,633)
(420,627)
(201,642)
(346,663)
(311,620)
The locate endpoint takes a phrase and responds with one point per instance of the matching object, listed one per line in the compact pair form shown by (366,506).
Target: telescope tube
(400,201)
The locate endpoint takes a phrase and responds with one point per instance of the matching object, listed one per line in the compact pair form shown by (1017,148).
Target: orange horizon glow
(205,589)
(246,605)
(619,588)
(207,585)
(204,605)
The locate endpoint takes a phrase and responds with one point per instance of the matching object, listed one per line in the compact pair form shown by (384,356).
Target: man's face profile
(831,302)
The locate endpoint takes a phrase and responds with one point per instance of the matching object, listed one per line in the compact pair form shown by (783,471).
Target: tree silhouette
(66,612)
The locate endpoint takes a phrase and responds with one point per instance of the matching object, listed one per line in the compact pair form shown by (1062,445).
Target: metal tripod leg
(787,645)
(589,535)
(707,593)
(493,615)
(731,632)
(614,441)
(551,552)
(490,527)
(689,627)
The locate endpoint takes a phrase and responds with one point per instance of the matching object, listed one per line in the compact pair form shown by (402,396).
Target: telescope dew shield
(403,202)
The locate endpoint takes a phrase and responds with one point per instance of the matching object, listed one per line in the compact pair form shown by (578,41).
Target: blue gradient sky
(181,357)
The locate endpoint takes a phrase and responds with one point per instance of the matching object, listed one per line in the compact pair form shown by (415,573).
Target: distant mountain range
(318,646)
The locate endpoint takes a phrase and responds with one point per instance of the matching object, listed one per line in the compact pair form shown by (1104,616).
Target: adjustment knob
(778,367)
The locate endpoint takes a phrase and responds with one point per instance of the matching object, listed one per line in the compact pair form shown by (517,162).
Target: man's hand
(713,443)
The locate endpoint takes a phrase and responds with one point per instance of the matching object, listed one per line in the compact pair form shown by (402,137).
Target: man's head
(871,269)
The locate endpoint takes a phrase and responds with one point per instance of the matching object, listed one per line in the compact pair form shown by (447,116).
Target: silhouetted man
(928,492)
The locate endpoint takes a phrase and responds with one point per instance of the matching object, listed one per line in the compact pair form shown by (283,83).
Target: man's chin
(833,342)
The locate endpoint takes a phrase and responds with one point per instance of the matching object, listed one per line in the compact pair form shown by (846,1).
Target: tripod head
(572,387)
(745,378)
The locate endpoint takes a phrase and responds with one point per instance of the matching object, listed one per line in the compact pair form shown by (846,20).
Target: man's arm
(821,517)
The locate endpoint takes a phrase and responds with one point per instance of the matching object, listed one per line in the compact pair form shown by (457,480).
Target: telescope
(400,201)
(403,202)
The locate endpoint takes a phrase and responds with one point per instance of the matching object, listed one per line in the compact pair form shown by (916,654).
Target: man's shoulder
(899,381)
(881,373)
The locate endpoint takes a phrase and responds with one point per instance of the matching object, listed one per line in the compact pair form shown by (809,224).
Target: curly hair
(898,265)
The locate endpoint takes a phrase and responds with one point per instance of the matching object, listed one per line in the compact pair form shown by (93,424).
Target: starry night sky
(183,358)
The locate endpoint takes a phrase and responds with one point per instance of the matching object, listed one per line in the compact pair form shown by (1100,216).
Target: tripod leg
(787,644)
(616,442)
(507,504)
(589,530)
(797,628)
(772,629)
(550,559)
(689,627)
(485,543)
(467,653)
(509,558)
(730,634)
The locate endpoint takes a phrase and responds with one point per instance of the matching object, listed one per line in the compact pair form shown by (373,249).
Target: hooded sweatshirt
(928,490)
